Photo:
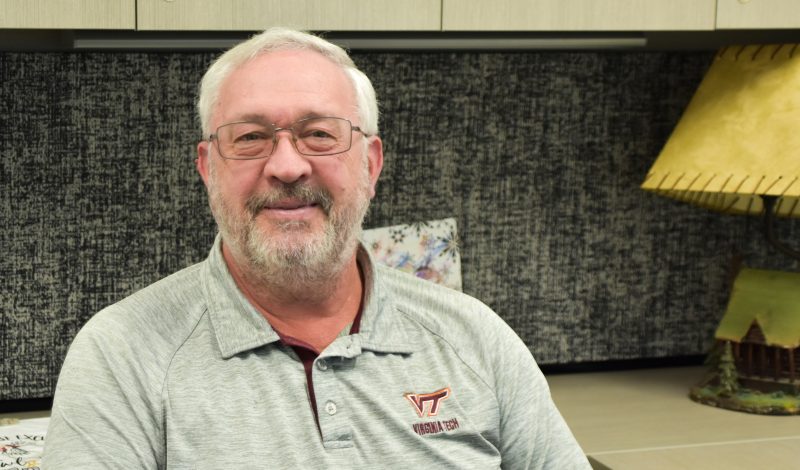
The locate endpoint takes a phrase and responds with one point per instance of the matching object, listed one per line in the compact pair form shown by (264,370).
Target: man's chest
(374,411)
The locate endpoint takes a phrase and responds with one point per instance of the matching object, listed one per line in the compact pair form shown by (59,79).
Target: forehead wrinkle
(259,118)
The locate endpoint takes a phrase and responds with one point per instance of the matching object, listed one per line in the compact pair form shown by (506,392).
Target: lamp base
(784,401)
(754,365)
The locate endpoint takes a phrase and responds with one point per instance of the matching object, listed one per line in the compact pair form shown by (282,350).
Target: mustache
(299,191)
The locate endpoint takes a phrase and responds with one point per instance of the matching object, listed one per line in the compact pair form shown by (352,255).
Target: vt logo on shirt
(427,405)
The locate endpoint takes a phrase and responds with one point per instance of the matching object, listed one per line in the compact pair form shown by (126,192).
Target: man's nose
(286,163)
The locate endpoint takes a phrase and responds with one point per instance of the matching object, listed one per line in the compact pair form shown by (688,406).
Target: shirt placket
(334,415)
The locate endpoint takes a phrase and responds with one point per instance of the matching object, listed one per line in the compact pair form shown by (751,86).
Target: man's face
(288,213)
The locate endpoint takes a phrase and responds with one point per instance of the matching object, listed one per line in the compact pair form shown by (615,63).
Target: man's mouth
(291,210)
(290,205)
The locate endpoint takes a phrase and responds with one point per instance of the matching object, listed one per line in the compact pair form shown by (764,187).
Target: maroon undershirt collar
(308,355)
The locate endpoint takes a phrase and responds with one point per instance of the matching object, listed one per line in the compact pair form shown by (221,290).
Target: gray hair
(279,39)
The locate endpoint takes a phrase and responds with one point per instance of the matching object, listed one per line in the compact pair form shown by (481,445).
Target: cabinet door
(755,14)
(256,15)
(68,14)
(577,15)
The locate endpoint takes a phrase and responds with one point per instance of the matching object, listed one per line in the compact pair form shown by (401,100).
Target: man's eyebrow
(263,119)
(259,118)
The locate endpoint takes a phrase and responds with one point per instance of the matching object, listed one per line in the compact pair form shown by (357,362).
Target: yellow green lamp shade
(740,135)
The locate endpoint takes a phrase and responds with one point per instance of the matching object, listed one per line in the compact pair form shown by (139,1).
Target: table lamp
(736,150)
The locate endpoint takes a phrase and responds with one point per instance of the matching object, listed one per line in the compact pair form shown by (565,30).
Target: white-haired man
(288,347)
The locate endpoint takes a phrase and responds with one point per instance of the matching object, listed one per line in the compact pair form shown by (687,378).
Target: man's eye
(317,134)
(252,136)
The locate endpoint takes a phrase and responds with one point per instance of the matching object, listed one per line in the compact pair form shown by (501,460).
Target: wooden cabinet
(401,15)
(578,15)
(758,14)
(68,14)
(317,15)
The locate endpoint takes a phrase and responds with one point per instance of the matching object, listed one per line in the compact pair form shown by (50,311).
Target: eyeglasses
(316,136)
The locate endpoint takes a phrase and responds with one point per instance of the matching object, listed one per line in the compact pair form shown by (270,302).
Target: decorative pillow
(426,249)
(22,443)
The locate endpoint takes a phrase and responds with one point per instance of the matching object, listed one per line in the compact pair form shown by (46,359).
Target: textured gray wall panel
(538,155)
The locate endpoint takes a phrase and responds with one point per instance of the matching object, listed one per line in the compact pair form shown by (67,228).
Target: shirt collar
(239,327)
(383,327)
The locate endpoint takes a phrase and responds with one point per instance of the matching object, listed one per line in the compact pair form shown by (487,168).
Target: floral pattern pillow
(22,443)
(428,250)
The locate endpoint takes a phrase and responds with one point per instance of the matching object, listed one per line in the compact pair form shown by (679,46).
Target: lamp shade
(739,138)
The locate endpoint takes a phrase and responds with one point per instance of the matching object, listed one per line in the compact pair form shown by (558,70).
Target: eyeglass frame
(275,129)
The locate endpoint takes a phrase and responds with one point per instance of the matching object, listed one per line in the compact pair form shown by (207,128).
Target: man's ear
(375,161)
(202,162)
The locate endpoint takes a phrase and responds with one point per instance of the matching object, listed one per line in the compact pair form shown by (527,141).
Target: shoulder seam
(172,358)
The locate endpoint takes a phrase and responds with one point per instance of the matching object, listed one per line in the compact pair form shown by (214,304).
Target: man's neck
(315,318)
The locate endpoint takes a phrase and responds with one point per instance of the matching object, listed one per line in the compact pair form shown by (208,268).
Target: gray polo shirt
(186,374)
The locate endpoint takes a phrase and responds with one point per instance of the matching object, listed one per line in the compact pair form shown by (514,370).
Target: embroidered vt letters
(427,404)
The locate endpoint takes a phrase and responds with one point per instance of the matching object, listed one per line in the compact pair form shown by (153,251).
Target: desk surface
(644,420)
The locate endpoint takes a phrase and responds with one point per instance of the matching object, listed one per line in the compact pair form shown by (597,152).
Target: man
(288,347)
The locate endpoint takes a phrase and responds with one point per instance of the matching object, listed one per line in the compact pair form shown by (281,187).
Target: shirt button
(330,407)
(322,365)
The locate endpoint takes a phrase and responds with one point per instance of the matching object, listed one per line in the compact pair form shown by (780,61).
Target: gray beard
(294,264)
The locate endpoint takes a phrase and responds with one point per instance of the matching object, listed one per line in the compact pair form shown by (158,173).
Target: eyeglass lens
(314,136)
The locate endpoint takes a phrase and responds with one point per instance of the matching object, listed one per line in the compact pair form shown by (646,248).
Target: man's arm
(106,413)
(533,434)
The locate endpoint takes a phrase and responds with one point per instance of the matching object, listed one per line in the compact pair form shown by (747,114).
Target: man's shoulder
(178,290)
(450,314)
(159,315)
(415,289)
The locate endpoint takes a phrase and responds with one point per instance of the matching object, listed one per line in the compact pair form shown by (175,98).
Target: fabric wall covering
(537,155)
